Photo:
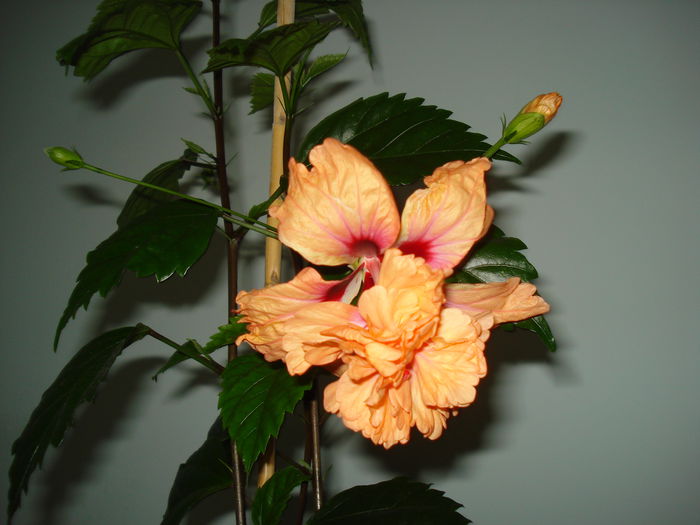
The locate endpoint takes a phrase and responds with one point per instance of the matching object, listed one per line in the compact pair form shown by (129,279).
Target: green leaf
(262,92)
(121,26)
(539,326)
(321,65)
(196,148)
(165,175)
(166,240)
(255,395)
(397,501)
(272,498)
(497,258)
(349,12)
(276,50)
(405,139)
(226,335)
(205,472)
(76,384)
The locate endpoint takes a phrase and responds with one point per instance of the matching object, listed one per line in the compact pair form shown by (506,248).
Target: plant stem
(273,248)
(494,149)
(231,246)
(244,220)
(204,360)
(316,480)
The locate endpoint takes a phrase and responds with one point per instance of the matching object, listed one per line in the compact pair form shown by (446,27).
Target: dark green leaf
(226,335)
(405,139)
(121,26)
(396,502)
(349,12)
(321,65)
(272,498)
(255,395)
(166,240)
(276,50)
(205,472)
(497,258)
(167,176)
(539,326)
(262,91)
(76,384)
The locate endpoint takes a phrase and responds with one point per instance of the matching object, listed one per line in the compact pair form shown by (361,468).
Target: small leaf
(144,199)
(205,472)
(262,92)
(76,384)
(255,395)
(349,12)
(189,350)
(276,50)
(121,26)
(197,149)
(403,138)
(397,501)
(226,335)
(272,498)
(497,258)
(321,65)
(166,240)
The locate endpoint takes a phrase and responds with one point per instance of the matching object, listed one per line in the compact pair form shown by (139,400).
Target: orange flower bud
(546,105)
(532,118)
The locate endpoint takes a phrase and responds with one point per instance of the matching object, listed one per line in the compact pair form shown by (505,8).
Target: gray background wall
(603,431)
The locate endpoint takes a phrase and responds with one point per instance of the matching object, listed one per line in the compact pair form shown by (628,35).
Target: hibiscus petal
(265,310)
(403,306)
(339,211)
(442,222)
(445,372)
(367,406)
(507,301)
(305,340)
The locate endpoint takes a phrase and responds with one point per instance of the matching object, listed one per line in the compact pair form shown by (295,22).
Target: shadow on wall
(78,458)
(473,430)
(113,83)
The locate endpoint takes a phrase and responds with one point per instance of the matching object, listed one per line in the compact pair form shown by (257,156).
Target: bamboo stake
(273,248)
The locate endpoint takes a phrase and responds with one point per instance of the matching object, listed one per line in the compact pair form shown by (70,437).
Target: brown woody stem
(231,245)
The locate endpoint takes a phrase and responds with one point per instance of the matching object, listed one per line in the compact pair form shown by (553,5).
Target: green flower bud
(69,159)
(532,117)
(522,126)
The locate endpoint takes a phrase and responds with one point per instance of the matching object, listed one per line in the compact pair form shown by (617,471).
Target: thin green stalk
(202,359)
(494,149)
(243,220)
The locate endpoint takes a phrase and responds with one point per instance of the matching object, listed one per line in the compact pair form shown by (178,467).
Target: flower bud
(532,117)
(69,159)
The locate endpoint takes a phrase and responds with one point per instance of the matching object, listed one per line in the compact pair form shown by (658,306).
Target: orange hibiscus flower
(411,352)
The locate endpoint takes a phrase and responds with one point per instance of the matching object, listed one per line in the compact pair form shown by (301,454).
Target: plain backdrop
(606,430)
